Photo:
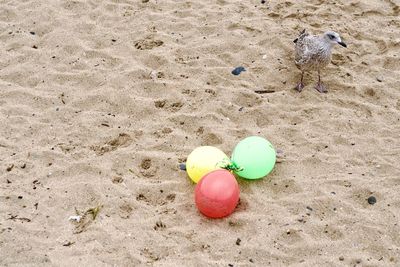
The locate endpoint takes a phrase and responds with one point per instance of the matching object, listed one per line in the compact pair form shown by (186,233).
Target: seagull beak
(342,44)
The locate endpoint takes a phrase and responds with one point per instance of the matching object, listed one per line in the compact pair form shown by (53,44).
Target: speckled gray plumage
(312,52)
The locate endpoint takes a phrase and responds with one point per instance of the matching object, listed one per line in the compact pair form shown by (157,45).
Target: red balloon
(217,194)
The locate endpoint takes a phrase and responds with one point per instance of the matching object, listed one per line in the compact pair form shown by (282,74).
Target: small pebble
(153,74)
(262,1)
(379,79)
(117,179)
(238,70)
(33,33)
(182,167)
(371,200)
(238,241)
(9,168)
(341,258)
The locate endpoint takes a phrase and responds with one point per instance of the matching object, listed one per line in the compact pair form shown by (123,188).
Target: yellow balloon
(203,160)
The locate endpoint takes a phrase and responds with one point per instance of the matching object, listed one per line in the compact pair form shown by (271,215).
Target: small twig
(94,211)
(264,91)
(68,243)
(15,217)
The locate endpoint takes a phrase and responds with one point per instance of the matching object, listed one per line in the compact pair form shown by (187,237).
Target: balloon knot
(230,166)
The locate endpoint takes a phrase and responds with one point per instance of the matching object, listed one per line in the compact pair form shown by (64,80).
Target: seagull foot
(321,88)
(299,87)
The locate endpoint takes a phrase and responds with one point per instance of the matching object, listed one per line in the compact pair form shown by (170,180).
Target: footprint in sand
(173,107)
(159,225)
(122,140)
(125,210)
(146,164)
(147,44)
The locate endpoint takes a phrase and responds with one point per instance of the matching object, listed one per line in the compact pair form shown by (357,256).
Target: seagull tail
(301,36)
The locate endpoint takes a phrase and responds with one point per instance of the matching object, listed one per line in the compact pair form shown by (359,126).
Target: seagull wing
(304,48)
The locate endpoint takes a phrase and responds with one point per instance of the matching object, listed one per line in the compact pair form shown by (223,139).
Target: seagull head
(333,38)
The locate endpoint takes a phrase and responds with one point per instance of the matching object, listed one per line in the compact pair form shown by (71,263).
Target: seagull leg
(320,87)
(299,87)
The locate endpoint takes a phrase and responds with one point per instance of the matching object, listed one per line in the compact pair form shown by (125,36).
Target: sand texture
(101,100)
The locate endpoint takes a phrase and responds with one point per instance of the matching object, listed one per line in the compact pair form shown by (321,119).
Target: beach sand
(101,100)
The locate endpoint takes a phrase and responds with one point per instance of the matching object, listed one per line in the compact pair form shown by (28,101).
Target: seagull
(314,52)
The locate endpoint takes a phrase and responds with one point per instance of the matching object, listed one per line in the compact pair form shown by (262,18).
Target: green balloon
(254,157)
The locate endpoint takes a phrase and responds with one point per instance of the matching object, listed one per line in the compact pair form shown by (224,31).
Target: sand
(101,100)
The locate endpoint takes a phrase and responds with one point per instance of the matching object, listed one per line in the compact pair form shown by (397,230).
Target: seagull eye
(331,36)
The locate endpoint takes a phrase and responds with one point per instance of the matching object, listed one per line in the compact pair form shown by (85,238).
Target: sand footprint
(122,140)
(125,211)
(155,199)
(159,225)
(211,139)
(246,99)
(173,107)
(147,43)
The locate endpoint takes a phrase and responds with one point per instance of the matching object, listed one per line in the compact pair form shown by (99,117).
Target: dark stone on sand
(371,200)
(341,258)
(238,70)
(33,33)
(263,1)
(9,168)
(238,241)
(182,167)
